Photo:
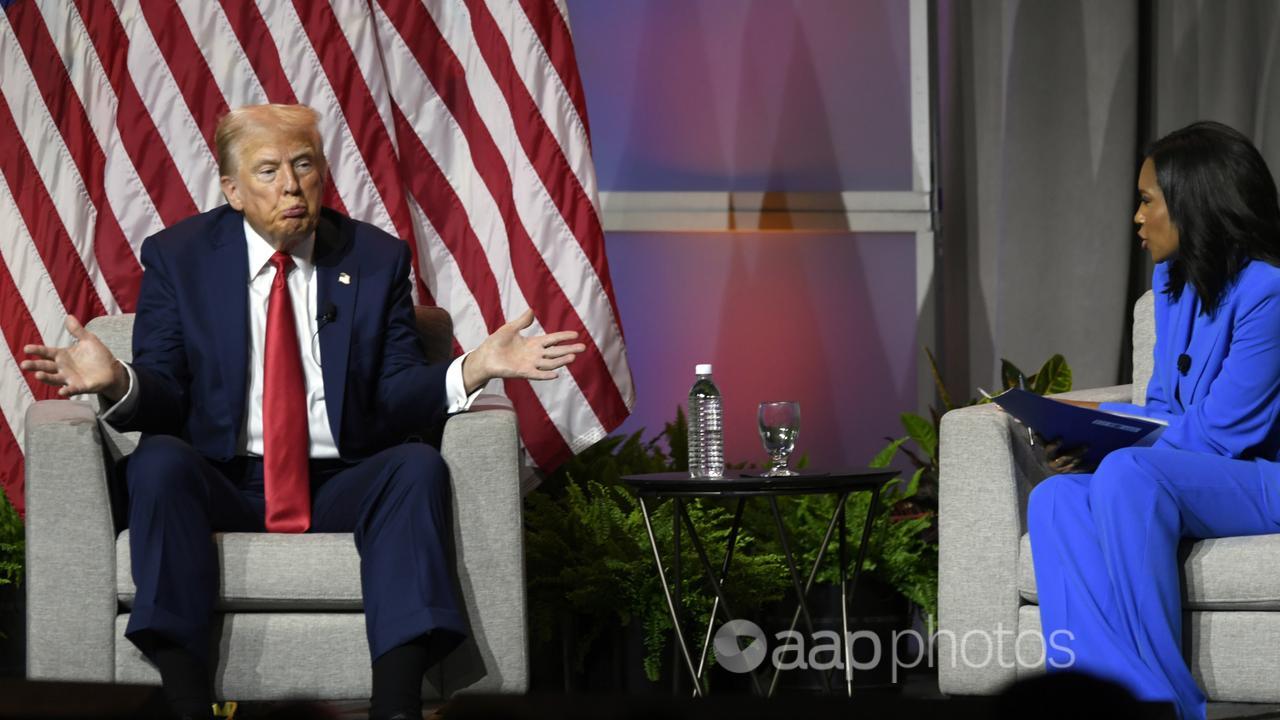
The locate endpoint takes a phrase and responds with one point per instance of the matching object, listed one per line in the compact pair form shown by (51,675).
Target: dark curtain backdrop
(1045,108)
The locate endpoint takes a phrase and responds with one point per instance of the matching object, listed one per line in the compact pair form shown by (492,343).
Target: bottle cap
(702,369)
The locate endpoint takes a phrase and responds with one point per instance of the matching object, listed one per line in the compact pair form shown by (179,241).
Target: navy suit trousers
(395,502)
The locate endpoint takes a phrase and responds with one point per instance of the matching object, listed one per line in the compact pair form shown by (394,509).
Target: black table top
(742,482)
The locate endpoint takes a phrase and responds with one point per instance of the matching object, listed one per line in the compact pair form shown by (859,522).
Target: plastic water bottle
(706,431)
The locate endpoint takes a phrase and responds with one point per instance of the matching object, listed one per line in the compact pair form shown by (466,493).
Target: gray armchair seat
(1231,600)
(289,620)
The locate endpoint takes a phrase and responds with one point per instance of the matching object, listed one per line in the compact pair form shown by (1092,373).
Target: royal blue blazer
(1228,400)
(191,336)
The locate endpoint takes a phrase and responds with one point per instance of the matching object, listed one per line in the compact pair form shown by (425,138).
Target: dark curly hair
(1222,199)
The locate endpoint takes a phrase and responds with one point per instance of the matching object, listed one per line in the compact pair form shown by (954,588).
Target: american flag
(457,125)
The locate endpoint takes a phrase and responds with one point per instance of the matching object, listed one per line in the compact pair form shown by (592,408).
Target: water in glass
(779,427)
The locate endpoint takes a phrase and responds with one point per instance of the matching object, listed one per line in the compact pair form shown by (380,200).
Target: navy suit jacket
(1228,401)
(191,336)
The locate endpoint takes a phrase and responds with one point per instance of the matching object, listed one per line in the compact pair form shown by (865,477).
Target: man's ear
(231,191)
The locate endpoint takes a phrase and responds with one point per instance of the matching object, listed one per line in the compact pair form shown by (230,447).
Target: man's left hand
(507,354)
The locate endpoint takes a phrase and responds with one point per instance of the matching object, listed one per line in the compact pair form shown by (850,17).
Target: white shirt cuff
(456,389)
(125,405)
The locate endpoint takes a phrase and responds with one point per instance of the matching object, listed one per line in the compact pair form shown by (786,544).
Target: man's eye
(267,173)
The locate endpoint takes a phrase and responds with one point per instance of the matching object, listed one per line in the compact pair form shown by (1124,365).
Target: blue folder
(1098,431)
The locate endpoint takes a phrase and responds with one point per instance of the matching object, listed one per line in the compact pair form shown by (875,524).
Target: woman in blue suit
(1105,543)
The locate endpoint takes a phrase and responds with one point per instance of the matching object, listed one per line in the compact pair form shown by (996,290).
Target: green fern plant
(12,545)
(908,555)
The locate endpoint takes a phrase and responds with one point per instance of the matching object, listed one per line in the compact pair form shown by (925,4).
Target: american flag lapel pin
(344,278)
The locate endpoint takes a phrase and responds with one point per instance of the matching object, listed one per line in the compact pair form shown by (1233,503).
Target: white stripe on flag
(169,111)
(222,53)
(538,213)
(52,159)
(358,27)
(547,90)
(128,197)
(15,398)
(448,146)
(575,420)
(18,253)
(446,283)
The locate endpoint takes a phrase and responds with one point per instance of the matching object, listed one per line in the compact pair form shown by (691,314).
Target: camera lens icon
(732,654)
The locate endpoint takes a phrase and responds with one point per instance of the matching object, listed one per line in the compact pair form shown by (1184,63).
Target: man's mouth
(295,212)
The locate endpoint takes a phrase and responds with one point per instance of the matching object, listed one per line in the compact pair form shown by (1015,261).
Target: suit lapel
(228,275)
(338,280)
(1203,347)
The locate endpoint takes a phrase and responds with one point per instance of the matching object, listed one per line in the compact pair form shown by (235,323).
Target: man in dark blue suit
(276,375)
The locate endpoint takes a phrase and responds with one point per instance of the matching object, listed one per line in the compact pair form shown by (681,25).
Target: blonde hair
(233,126)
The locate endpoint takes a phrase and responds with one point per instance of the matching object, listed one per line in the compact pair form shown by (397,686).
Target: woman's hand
(1079,403)
(1064,461)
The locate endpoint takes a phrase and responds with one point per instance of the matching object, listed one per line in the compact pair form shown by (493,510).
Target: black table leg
(801,591)
(683,647)
(813,573)
(677,589)
(844,607)
(724,574)
(848,588)
(722,601)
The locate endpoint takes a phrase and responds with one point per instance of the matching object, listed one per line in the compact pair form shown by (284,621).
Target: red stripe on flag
(258,45)
(543,149)
(556,39)
(545,443)
(541,437)
(537,283)
(445,210)
(19,330)
(441,204)
(187,64)
(39,214)
(112,251)
(361,113)
(12,469)
(138,132)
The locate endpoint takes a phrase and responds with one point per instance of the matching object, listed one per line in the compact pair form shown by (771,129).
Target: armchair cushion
(1219,573)
(273,571)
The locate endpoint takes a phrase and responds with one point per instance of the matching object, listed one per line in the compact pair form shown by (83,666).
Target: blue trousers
(396,503)
(1105,547)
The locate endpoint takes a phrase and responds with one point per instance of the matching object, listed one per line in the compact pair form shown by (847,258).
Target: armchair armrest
(986,472)
(71,563)
(480,447)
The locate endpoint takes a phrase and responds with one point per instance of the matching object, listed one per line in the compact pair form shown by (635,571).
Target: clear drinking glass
(779,426)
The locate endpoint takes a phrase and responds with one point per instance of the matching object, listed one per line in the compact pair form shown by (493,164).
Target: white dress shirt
(302,291)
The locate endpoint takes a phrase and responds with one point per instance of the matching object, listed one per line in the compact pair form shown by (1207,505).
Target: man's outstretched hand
(506,354)
(84,366)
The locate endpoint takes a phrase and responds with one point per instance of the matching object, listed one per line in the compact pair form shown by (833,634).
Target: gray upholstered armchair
(987,588)
(290,622)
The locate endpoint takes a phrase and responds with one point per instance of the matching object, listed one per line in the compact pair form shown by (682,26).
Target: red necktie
(285,435)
